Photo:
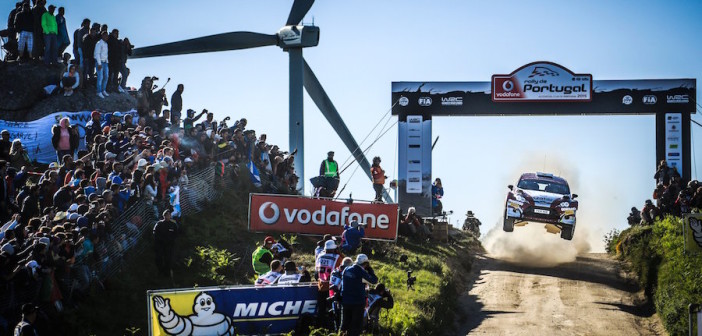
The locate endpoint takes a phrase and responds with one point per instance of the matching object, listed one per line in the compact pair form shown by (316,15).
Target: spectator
(634,217)
(88,47)
(5,145)
(292,276)
(92,129)
(11,29)
(101,65)
(38,12)
(165,232)
(320,245)
(663,173)
(63,40)
(351,237)
(437,192)
(412,225)
(649,213)
(324,265)
(18,155)
(192,119)
(271,276)
(26,326)
(24,23)
(353,294)
(64,138)
(70,81)
(378,179)
(177,104)
(378,298)
(78,35)
(114,55)
(261,257)
(50,31)
(126,51)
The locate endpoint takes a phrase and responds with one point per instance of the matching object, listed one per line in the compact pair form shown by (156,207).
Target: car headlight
(564,204)
(519,198)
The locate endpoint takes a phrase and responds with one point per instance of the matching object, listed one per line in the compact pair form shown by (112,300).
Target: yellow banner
(693,232)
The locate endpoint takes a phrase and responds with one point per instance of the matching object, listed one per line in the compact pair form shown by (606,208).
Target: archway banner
(314,216)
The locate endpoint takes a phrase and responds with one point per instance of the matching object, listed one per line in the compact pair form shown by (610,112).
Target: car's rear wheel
(567,232)
(508,224)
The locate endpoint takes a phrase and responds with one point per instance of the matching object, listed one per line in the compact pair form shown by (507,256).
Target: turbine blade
(320,98)
(298,11)
(219,42)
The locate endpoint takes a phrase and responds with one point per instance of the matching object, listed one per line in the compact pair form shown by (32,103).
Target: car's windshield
(542,185)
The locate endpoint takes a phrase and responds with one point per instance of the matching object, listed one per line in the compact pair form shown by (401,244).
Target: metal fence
(123,240)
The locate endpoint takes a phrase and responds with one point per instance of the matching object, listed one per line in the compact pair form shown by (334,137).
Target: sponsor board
(313,216)
(542,81)
(232,310)
(673,140)
(692,224)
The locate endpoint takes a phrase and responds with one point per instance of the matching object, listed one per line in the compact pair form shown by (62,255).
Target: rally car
(542,198)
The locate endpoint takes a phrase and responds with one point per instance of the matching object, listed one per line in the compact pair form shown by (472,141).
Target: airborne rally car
(542,198)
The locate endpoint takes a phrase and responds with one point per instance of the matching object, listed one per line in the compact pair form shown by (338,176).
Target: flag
(253,172)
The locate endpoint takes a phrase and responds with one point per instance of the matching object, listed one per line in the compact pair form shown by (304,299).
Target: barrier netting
(123,239)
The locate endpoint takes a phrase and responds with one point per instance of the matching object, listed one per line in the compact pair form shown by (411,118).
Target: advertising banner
(673,141)
(692,224)
(542,81)
(40,147)
(296,214)
(414,158)
(233,310)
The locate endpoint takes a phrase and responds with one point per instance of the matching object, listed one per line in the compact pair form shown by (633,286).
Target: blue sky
(365,45)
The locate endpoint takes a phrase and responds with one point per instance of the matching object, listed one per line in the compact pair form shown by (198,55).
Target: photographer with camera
(353,294)
(378,298)
(351,238)
(324,265)
(294,275)
(634,217)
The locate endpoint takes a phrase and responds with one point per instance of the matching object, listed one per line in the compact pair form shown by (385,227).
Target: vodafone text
(334,218)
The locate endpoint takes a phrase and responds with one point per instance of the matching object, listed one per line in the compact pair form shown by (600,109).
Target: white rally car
(543,198)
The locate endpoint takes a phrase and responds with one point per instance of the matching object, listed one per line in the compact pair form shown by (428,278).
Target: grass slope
(214,248)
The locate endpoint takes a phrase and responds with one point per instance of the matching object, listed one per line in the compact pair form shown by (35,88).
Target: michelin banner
(36,135)
(233,310)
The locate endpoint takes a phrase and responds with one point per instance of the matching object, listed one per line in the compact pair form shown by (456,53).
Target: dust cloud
(533,246)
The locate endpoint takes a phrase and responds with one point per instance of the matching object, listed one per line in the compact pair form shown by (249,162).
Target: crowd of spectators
(672,197)
(99,55)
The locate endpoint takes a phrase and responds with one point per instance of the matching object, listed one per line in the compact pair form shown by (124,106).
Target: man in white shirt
(101,65)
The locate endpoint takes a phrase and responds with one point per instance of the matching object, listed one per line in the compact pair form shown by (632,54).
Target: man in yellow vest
(329,167)
(262,257)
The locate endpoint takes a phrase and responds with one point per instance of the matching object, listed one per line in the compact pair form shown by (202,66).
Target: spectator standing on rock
(78,35)
(126,51)
(50,31)
(437,191)
(65,139)
(177,104)
(63,40)
(101,65)
(70,81)
(353,294)
(114,55)
(37,12)
(24,23)
(378,179)
(88,46)
(11,30)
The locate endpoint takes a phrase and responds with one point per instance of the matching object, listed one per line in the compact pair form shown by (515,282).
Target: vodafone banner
(542,81)
(304,215)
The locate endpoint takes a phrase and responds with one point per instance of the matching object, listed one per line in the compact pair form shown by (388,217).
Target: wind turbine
(293,37)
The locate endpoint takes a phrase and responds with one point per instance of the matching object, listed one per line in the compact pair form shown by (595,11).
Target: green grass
(214,248)
(668,275)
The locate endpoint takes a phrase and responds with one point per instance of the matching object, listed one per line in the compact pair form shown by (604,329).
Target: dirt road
(586,297)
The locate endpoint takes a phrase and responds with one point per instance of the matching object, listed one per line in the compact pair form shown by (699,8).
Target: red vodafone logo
(320,216)
(269,213)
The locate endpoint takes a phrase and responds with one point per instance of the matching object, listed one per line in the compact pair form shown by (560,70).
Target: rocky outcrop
(22,95)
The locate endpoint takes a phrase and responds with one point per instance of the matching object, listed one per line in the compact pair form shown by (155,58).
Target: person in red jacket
(378,179)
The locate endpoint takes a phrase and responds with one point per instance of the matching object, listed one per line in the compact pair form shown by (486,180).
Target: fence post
(694,311)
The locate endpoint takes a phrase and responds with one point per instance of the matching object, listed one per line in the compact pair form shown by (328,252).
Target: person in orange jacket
(378,179)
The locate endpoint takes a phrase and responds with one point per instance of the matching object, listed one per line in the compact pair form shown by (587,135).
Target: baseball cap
(73,207)
(117,114)
(361,259)
(142,163)
(188,160)
(329,245)
(28,308)
(330,153)
(53,165)
(269,239)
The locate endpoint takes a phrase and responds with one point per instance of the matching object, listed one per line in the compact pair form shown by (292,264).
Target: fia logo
(425,101)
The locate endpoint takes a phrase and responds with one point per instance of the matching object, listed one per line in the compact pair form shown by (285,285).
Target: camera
(410,280)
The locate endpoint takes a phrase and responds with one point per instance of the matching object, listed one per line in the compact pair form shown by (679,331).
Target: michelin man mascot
(203,322)
(696,226)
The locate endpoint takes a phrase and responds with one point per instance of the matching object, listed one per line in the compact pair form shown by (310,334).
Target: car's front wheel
(508,224)
(567,232)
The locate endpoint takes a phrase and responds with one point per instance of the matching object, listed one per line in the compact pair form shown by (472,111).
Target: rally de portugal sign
(233,310)
(304,215)
(542,82)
